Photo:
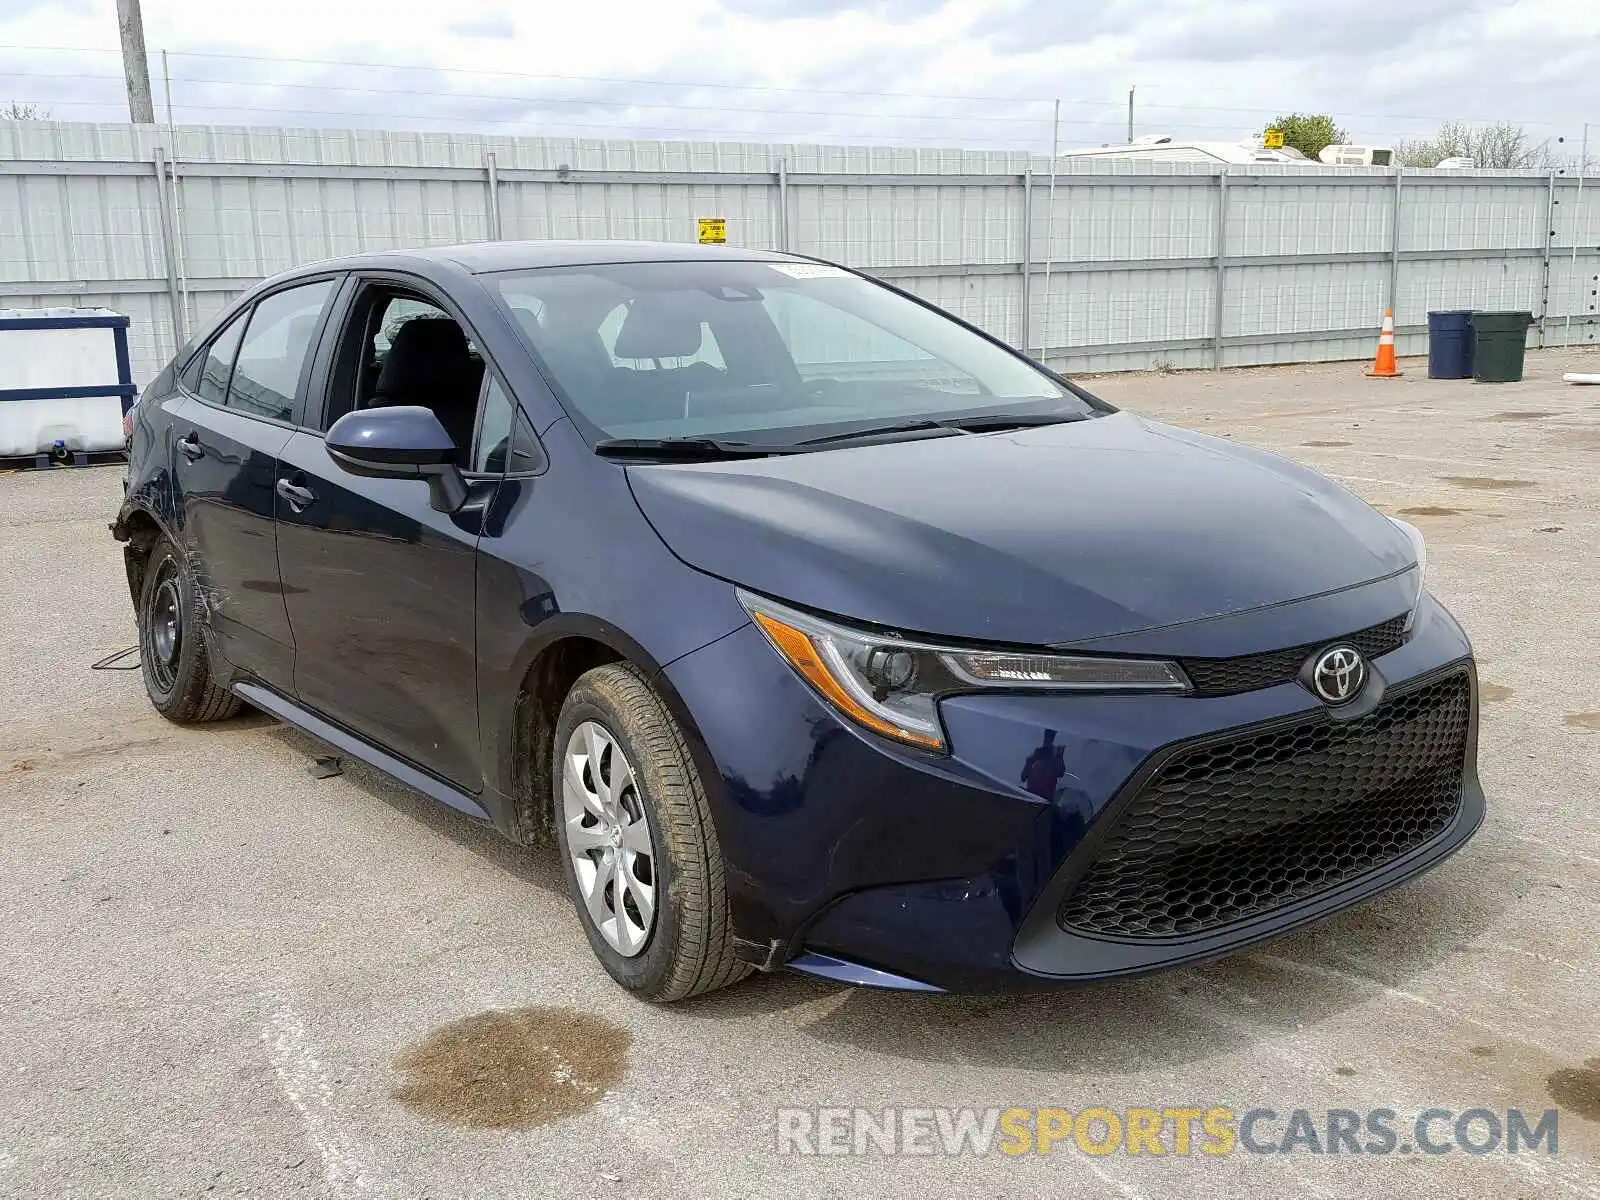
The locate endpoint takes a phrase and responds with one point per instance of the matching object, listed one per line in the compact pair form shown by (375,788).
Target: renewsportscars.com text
(1176,1131)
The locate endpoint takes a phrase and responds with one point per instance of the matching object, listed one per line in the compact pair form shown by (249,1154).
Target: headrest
(428,335)
(428,353)
(658,328)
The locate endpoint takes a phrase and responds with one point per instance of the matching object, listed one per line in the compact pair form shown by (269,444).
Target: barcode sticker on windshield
(809,270)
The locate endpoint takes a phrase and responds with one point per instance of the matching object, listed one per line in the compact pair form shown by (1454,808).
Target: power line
(678,83)
(1268,109)
(535,102)
(1282,109)
(534,124)
(692,85)
(597,102)
(621,128)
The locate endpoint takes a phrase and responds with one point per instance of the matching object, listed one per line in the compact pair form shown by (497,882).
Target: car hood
(1043,536)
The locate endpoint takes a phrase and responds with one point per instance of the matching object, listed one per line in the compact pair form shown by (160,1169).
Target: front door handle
(299,498)
(191,447)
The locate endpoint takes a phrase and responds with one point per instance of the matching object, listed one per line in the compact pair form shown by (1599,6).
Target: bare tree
(22,112)
(1501,146)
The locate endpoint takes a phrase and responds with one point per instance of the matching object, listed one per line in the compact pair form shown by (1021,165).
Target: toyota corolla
(813,626)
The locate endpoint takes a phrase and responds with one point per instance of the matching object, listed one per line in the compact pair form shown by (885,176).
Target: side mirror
(400,442)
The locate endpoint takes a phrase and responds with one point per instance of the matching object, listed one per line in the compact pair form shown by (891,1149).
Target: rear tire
(172,646)
(635,832)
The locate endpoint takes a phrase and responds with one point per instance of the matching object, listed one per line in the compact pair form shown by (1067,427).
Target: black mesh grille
(1228,676)
(1228,830)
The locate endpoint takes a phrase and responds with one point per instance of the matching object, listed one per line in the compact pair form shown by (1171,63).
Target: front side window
(266,377)
(778,351)
(396,314)
(505,442)
(494,429)
(400,349)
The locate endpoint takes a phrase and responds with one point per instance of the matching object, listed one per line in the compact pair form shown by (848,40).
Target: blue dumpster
(1450,344)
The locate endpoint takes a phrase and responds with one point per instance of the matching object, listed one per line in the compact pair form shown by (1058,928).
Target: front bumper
(949,871)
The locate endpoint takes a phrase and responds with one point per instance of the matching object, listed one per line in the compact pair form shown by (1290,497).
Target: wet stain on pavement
(1521,415)
(102,747)
(1325,443)
(1481,1051)
(1583,720)
(1486,484)
(1345,1071)
(513,1069)
(1577,1089)
(1490,692)
(1430,510)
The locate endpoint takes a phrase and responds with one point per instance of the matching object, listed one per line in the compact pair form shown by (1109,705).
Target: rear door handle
(299,498)
(191,447)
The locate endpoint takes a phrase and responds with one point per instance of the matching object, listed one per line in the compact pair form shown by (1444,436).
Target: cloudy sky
(976,73)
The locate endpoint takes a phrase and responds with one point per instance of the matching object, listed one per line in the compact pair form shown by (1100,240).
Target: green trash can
(1499,341)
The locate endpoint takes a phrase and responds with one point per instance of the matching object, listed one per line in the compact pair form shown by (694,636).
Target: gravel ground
(222,975)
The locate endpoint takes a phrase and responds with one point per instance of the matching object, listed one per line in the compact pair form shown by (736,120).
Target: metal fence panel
(631,212)
(1310,218)
(1121,265)
(1575,299)
(870,224)
(1126,221)
(991,302)
(1473,216)
(1510,284)
(1105,308)
(1290,298)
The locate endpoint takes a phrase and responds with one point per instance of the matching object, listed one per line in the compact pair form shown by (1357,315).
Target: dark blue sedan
(813,626)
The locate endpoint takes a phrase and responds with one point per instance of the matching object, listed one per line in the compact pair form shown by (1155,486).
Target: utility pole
(1130,114)
(141,108)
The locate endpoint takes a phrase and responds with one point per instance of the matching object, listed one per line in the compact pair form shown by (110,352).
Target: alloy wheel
(608,838)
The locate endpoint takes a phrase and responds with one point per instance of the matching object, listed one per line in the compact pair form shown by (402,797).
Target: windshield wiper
(995,422)
(682,447)
(706,447)
(921,425)
(978,423)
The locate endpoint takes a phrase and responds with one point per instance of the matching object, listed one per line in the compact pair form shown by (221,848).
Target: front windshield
(776,351)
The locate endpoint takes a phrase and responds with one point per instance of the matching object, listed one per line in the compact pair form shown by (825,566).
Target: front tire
(172,647)
(637,842)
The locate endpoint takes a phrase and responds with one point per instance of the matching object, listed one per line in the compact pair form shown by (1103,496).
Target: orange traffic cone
(1383,365)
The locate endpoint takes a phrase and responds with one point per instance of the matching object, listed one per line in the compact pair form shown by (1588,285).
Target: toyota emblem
(1339,674)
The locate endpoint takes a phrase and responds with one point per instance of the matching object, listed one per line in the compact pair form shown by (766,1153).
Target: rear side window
(266,377)
(209,379)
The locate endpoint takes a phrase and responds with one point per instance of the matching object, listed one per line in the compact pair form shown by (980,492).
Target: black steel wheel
(172,647)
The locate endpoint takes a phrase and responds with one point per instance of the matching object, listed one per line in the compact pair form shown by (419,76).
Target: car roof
(481,257)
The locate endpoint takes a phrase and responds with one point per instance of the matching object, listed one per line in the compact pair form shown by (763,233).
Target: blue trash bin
(1450,344)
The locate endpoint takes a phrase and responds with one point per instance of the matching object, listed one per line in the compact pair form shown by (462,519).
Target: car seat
(429,364)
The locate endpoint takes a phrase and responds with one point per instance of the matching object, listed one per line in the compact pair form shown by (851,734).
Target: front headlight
(893,686)
(1421,547)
